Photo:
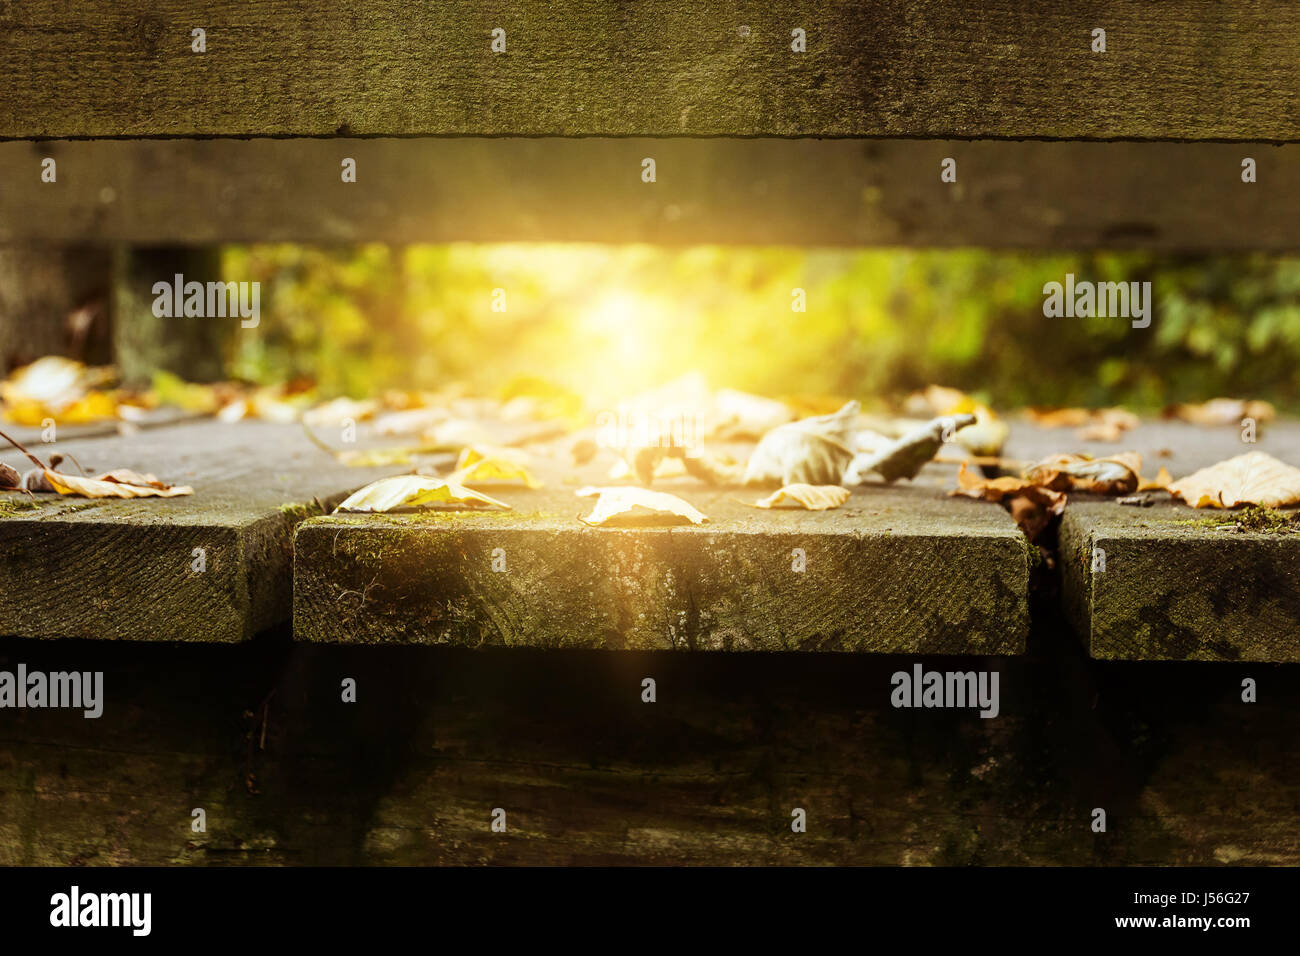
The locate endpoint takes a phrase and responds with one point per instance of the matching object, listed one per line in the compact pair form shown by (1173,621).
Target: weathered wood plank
(124,570)
(1179,583)
(258,737)
(894,570)
(779,192)
(975,68)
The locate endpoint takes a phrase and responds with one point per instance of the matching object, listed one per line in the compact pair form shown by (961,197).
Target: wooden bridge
(474,690)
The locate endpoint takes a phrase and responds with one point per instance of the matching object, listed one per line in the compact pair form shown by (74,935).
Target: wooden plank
(1178,583)
(1182,69)
(895,570)
(124,570)
(778,192)
(287,773)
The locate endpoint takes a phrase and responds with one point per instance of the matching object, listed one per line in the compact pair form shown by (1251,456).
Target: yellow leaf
(1159,483)
(808,497)
(494,471)
(474,453)
(416,491)
(1250,479)
(632,507)
(122,483)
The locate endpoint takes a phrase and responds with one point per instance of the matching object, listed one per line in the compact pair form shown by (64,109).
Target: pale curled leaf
(1250,479)
(808,497)
(814,451)
(638,507)
(416,491)
(114,484)
(1113,475)
(905,457)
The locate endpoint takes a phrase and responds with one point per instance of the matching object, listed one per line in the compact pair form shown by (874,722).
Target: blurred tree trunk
(193,348)
(54,300)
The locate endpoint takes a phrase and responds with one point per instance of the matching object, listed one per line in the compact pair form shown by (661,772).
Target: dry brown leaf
(990,489)
(1032,506)
(1159,483)
(121,483)
(416,491)
(1112,475)
(1102,431)
(1250,479)
(1222,411)
(9,477)
(638,507)
(808,497)
(1120,418)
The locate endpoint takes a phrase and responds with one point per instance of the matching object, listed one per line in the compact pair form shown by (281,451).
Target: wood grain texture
(256,735)
(894,570)
(1182,69)
(1179,583)
(1156,196)
(121,570)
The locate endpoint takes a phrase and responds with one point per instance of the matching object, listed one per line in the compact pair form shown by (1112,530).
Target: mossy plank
(749,191)
(1177,586)
(896,569)
(975,68)
(125,569)
(1179,583)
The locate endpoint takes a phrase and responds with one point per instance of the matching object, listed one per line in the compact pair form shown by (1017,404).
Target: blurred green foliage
(609,320)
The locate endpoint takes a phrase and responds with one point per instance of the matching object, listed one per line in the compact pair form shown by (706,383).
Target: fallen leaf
(905,457)
(1102,431)
(338,411)
(986,437)
(650,463)
(1222,411)
(638,507)
(409,421)
(814,451)
(416,491)
(59,388)
(456,433)
(9,477)
(495,470)
(1120,418)
(121,483)
(1159,483)
(741,416)
(1253,478)
(1113,475)
(939,400)
(1032,506)
(808,497)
